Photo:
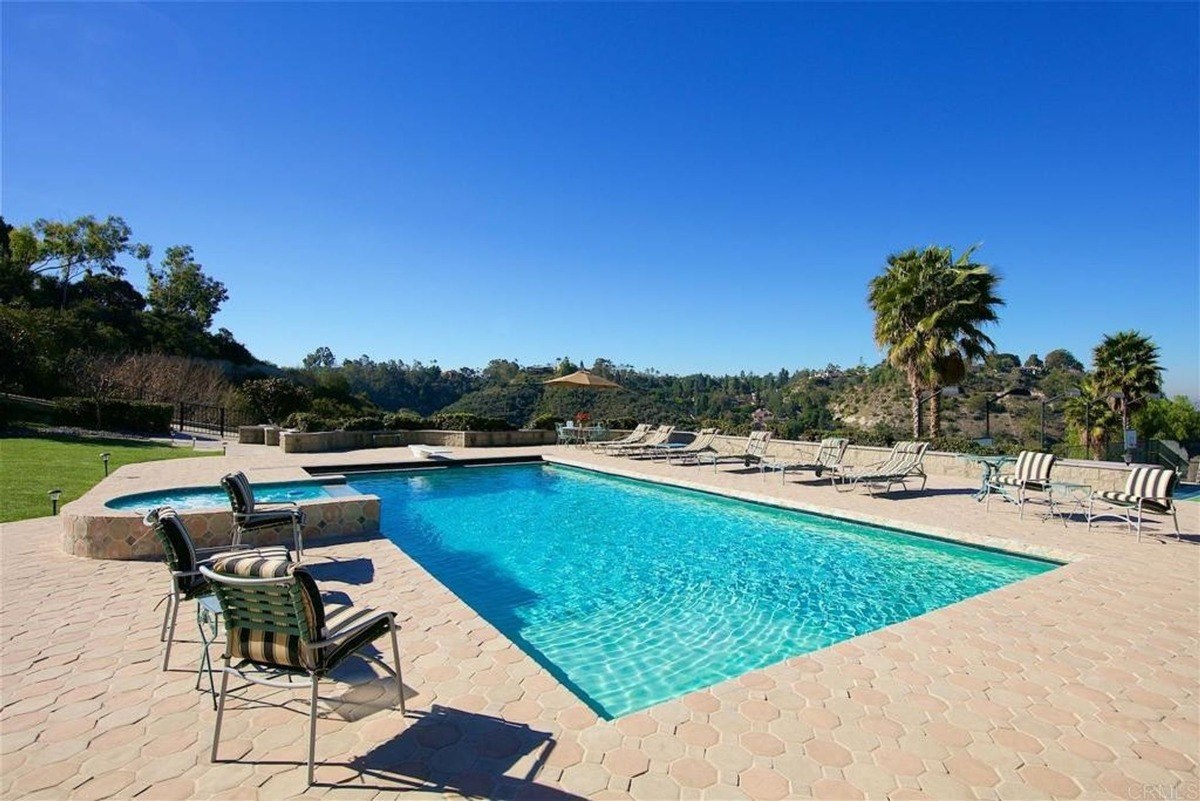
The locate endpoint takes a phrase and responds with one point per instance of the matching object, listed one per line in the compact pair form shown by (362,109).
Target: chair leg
(171,630)
(170,599)
(312,730)
(298,536)
(399,678)
(220,709)
(1175,517)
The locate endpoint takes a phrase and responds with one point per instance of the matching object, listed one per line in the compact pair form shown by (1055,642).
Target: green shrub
(963,445)
(307,422)
(274,399)
(620,423)
(138,417)
(403,420)
(465,421)
(366,423)
(545,422)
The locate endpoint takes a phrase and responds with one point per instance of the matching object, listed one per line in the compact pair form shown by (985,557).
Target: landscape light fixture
(104,458)
(1016,392)
(946,392)
(54,494)
(1073,392)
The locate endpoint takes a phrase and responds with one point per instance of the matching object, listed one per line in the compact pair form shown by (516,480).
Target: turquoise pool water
(208,497)
(632,593)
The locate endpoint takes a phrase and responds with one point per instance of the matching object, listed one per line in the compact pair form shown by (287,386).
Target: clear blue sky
(685,187)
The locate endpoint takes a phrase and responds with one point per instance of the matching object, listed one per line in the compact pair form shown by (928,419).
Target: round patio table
(989,468)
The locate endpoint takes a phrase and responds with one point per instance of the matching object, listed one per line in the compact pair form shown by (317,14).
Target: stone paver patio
(1082,682)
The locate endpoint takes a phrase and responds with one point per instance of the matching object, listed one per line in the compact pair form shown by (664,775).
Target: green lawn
(32,466)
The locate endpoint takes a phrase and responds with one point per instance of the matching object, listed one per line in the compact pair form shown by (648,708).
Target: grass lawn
(32,466)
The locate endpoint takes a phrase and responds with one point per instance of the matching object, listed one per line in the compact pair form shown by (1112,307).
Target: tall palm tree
(1091,415)
(1127,369)
(929,307)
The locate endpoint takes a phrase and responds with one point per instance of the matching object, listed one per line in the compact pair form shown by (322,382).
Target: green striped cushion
(241,496)
(298,616)
(177,545)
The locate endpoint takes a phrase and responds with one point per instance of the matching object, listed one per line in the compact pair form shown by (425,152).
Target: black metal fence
(201,418)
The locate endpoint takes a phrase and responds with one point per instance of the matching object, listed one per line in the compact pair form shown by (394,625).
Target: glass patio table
(989,469)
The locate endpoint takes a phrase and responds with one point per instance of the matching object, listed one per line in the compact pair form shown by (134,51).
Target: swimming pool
(215,497)
(633,593)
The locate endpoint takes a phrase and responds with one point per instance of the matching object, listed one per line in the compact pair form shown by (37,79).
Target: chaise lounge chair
(754,452)
(638,434)
(904,462)
(1031,473)
(184,560)
(828,460)
(702,443)
(1148,489)
(251,516)
(659,436)
(276,624)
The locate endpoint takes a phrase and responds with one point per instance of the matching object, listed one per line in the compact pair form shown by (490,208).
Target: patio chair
(753,453)
(251,516)
(828,460)
(1148,489)
(184,560)
(1031,473)
(904,462)
(638,434)
(659,436)
(277,628)
(702,443)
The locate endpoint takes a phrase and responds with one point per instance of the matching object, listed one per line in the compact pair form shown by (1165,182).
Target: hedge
(139,417)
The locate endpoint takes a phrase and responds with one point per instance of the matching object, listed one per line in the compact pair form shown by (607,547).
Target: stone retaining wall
(324,441)
(100,534)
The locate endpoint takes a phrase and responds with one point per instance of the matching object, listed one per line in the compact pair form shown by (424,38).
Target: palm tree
(1127,370)
(1091,415)
(929,307)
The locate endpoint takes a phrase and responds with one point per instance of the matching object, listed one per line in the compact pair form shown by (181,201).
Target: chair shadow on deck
(451,750)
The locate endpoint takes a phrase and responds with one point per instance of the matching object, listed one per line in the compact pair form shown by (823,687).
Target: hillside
(867,401)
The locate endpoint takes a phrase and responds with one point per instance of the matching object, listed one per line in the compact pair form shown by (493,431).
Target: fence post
(181,416)
(222,422)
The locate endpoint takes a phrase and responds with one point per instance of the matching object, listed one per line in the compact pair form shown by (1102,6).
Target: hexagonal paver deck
(1082,682)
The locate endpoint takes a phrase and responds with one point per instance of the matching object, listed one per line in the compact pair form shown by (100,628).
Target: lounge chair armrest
(275,506)
(355,629)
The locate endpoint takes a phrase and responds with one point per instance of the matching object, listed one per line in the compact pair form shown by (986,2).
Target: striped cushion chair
(251,516)
(1031,473)
(184,560)
(277,627)
(1148,489)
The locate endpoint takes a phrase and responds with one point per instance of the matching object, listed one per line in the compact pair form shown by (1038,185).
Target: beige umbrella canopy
(583,378)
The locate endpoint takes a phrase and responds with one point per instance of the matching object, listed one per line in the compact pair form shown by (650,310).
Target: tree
(1033,361)
(273,399)
(70,249)
(181,289)
(928,308)
(1091,417)
(322,357)
(1060,359)
(1127,370)
(1177,419)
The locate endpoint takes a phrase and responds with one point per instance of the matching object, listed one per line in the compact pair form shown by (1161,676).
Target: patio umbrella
(583,378)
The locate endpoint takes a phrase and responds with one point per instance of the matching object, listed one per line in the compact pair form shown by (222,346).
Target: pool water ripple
(633,593)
